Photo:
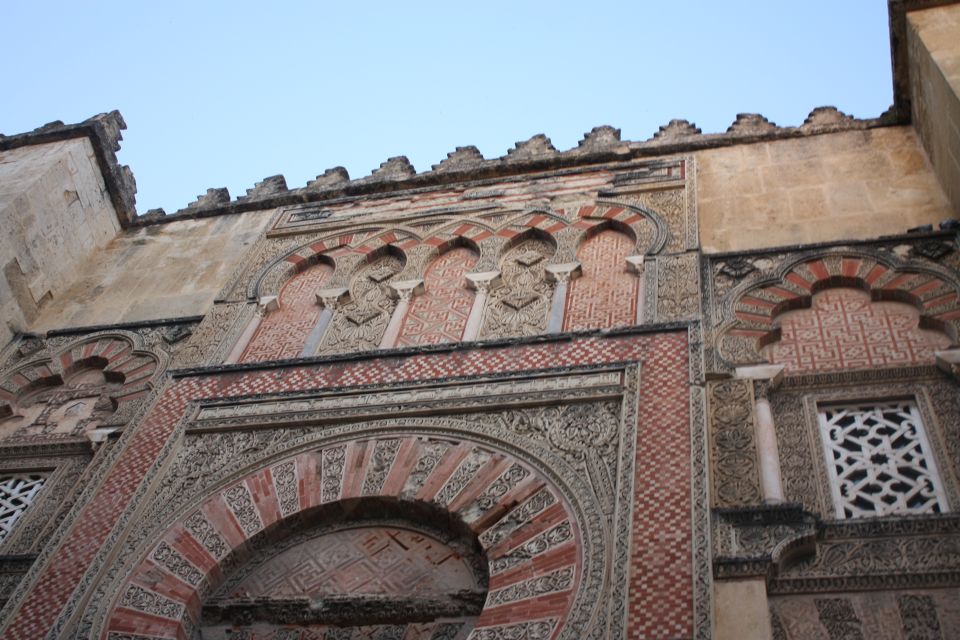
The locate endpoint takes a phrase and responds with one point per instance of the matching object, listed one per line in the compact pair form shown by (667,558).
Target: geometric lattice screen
(16,494)
(879,460)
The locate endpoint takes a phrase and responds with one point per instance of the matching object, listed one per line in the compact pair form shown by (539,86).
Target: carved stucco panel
(358,325)
(520,306)
(734,466)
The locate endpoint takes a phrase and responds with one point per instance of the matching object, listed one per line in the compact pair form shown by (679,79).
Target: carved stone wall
(802,458)
(495,228)
(543,430)
(733,450)
(884,615)
(519,307)
(359,324)
(283,332)
(747,293)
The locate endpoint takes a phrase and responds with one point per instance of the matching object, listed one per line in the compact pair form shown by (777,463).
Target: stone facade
(700,386)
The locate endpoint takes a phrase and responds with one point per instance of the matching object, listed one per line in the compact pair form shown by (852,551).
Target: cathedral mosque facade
(697,386)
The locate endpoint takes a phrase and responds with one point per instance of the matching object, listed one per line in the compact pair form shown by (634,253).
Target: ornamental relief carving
(519,307)
(734,466)
(802,464)
(215,335)
(670,205)
(62,468)
(358,324)
(897,614)
(920,551)
(678,287)
(745,292)
(857,553)
(591,460)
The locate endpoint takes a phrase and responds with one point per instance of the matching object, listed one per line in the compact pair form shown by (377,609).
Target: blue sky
(225,94)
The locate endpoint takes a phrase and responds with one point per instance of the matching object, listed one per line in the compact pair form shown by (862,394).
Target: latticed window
(879,460)
(17,492)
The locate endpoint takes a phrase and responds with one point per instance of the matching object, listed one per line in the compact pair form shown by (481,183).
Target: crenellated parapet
(601,145)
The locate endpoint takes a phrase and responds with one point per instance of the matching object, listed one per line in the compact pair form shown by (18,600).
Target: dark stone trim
(947,234)
(343,610)
(140,324)
(425,349)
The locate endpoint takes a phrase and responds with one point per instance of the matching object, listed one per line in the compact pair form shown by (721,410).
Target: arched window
(606,294)
(283,332)
(440,313)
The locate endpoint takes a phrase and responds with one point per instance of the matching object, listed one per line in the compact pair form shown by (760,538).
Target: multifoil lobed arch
(752,309)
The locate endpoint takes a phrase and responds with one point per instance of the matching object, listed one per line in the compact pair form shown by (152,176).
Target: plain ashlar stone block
(793,174)
(741,610)
(808,203)
(812,184)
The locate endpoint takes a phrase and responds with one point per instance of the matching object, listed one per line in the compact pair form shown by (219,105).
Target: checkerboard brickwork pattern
(284,331)
(661,600)
(661,568)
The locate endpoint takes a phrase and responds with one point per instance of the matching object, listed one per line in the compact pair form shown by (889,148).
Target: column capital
(483,280)
(266,304)
(634,264)
(332,298)
(563,272)
(766,377)
(405,289)
(948,361)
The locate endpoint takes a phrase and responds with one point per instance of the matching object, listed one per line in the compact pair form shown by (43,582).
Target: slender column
(264,306)
(404,290)
(766,378)
(329,300)
(482,282)
(561,274)
(635,266)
